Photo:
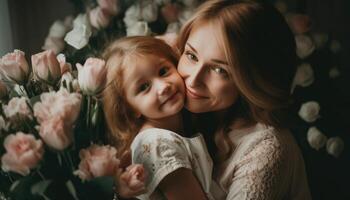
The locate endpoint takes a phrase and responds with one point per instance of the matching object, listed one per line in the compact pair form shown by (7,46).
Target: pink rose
(61,103)
(170,12)
(14,67)
(23,152)
(299,23)
(99,18)
(92,75)
(97,161)
(111,6)
(17,109)
(55,133)
(46,66)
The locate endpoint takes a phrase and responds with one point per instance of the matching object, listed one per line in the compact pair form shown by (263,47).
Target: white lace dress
(266,164)
(162,152)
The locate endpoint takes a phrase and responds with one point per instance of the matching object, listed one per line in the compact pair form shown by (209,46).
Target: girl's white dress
(162,152)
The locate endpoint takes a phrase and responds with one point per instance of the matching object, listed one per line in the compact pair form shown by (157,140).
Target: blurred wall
(6,43)
(31,20)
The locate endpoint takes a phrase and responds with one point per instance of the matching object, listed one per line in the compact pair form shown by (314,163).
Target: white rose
(320,39)
(335,46)
(335,146)
(185,14)
(79,36)
(304,76)
(53,43)
(305,46)
(173,27)
(315,138)
(147,11)
(139,28)
(334,72)
(309,111)
(57,29)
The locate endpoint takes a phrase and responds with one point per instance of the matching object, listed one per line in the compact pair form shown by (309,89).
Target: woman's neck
(173,123)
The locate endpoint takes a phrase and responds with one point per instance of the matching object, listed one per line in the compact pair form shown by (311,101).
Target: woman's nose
(196,76)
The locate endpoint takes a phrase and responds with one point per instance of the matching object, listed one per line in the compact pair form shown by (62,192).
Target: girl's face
(205,70)
(153,87)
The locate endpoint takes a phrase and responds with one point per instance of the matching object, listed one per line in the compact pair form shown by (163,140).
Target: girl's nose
(163,88)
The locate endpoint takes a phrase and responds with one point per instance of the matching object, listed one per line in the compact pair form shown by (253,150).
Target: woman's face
(205,70)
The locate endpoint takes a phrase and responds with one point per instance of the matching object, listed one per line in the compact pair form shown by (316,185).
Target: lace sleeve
(259,173)
(161,152)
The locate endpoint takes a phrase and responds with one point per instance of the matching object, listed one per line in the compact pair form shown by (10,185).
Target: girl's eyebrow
(213,60)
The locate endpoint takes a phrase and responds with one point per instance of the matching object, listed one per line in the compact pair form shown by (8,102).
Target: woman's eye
(191,56)
(143,87)
(163,71)
(220,71)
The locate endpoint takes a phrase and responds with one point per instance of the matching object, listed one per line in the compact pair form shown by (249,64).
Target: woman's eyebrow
(213,60)
(191,47)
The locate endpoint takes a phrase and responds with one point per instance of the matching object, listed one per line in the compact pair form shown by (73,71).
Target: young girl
(142,103)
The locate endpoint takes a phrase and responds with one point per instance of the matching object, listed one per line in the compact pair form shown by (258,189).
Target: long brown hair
(122,122)
(260,47)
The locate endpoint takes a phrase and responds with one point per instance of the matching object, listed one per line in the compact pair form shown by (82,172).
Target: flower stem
(41,175)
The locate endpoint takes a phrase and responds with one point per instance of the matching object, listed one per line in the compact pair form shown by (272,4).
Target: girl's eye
(163,71)
(143,87)
(191,56)
(220,71)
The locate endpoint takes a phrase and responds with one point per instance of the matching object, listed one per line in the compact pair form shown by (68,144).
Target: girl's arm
(182,184)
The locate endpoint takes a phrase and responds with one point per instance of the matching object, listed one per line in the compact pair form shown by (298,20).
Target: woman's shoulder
(262,138)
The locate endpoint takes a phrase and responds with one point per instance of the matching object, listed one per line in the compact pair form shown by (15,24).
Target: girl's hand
(131,182)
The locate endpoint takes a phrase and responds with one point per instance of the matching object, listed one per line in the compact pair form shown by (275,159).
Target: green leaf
(40,187)
(71,189)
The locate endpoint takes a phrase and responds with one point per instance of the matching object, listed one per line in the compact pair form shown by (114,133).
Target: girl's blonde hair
(260,47)
(122,122)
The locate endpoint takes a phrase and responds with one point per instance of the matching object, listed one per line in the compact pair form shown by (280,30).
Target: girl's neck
(173,123)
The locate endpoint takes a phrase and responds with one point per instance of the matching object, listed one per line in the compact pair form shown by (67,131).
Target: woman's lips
(194,95)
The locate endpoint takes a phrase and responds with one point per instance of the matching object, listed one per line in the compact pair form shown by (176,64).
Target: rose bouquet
(51,129)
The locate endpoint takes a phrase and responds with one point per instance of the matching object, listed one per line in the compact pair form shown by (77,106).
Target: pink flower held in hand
(97,161)
(136,177)
(111,6)
(46,67)
(92,76)
(55,133)
(23,152)
(14,67)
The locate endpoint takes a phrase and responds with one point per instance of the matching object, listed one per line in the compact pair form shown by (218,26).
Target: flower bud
(14,67)
(46,67)
(315,138)
(305,46)
(309,111)
(92,76)
(335,146)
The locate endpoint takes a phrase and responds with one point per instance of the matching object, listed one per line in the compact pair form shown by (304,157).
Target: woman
(237,61)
